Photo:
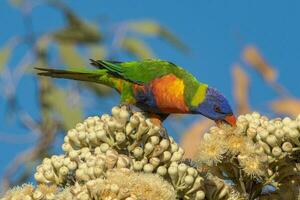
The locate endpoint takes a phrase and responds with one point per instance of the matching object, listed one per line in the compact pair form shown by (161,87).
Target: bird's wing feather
(139,72)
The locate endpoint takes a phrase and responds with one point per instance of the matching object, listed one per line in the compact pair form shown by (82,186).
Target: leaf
(137,47)
(192,136)
(97,52)
(77,30)
(253,57)
(5,54)
(70,56)
(152,28)
(286,106)
(58,100)
(16,3)
(241,88)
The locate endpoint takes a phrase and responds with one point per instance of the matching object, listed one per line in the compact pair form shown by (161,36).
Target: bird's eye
(217,109)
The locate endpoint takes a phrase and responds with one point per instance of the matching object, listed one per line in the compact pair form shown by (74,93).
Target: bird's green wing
(139,72)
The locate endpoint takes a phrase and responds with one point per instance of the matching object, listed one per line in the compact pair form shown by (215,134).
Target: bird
(155,86)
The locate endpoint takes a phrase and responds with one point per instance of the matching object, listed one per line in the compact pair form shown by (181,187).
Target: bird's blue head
(216,107)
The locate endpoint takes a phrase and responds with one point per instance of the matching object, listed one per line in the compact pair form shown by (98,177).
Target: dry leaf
(253,57)
(240,89)
(191,138)
(287,106)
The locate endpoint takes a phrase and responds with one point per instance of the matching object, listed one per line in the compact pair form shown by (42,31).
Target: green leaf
(137,48)
(5,54)
(57,99)
(70,55)
(152,28)
(77,30)
(97,51)
(147,27)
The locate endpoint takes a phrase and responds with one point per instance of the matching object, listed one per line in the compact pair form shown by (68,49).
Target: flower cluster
(122,156)
(126,156)
(258,151)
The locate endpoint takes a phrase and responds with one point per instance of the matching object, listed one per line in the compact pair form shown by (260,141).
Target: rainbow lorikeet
(155,86)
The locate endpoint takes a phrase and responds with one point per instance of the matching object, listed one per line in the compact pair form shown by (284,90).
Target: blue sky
(216,32)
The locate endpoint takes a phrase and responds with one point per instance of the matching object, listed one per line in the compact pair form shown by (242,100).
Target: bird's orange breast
(168,93)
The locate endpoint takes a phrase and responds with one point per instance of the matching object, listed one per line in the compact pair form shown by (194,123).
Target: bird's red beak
(230,119)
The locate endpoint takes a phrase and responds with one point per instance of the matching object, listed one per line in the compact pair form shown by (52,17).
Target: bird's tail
(98,76)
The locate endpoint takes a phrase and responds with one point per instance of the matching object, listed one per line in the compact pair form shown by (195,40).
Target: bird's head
(216,107)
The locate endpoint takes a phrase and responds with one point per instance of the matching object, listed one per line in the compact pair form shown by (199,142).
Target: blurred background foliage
(61,104)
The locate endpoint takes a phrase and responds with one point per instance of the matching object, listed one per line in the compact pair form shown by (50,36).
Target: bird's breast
(165,94)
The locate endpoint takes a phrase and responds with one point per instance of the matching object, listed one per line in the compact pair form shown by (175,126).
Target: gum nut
(148,148)
(104,147)
(276,151)
(251,132)
(115,111)
(263,133)
(271,128)
(72,134)
(66,147)
(57,164)
(138,165)
(80,127)
(287,147)
(66,161)
(298,118)
(124,115)
(111,123)
(154,140)
(37,195)
(98,171)
(271,140)
(293,125)
(49,175)
(154,161)
(148,168)
(286,120)
(123,161)
(114,188)
(134,120)
(137,152)
(164,144)
(189,180)
(92,136)
(174,164)
(166,156)
(278,124)
(174,147)
(72,166)
(200,195)
(90,121)
(63,171)
(162,170)
(73,154)
(256,115)
(182,167)
(172,170)
(192,171)
(101,134)
(293,133)
(81,135)
(279,133)
(206,136)
(120,137)
(39,177)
